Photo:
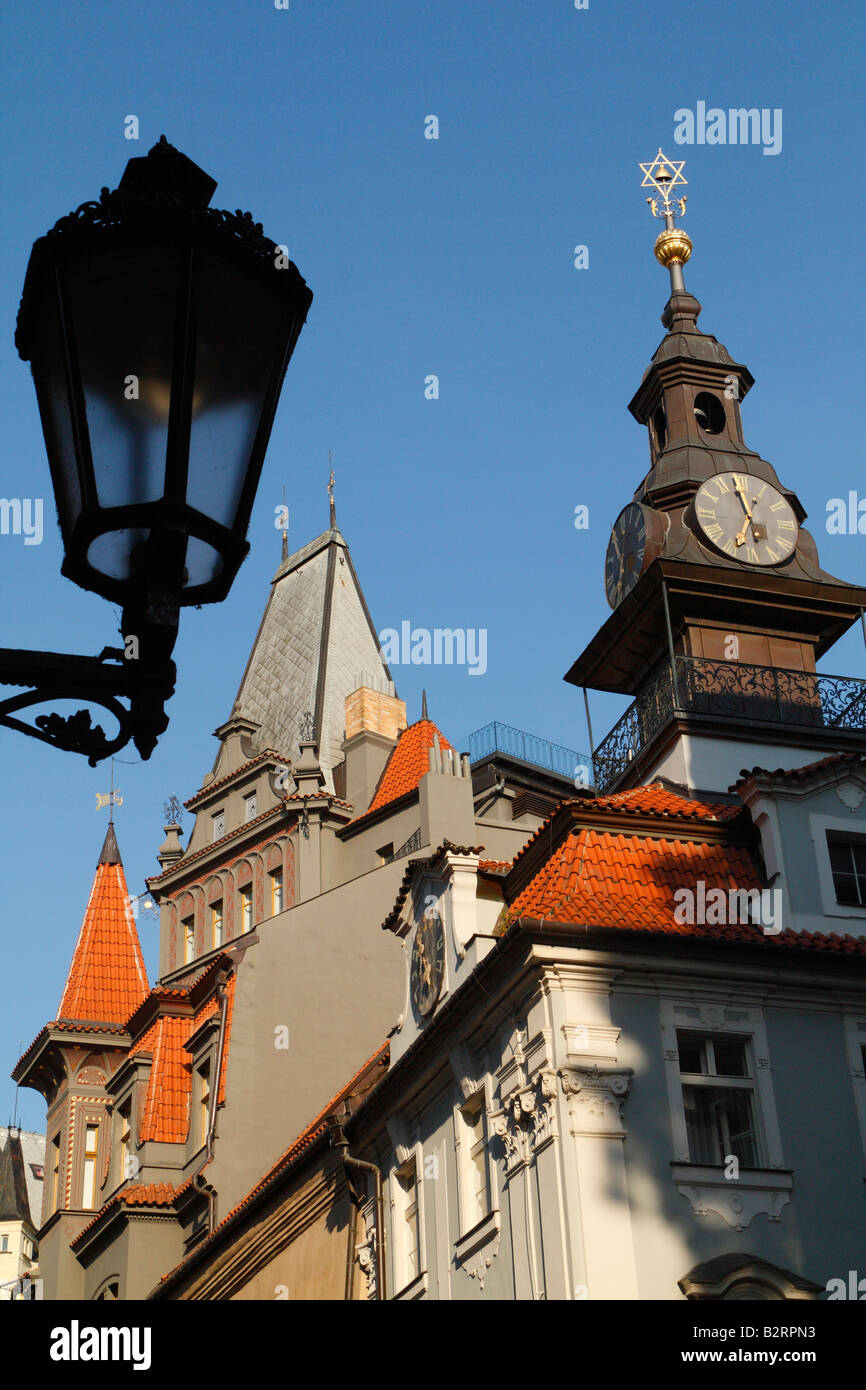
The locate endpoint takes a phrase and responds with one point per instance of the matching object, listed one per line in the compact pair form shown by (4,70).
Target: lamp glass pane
(239,332)
(123,303)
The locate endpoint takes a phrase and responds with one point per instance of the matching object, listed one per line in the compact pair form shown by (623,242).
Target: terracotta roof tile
(107,979)
(408,762)
(153,1194)
(598,879)
(798,774)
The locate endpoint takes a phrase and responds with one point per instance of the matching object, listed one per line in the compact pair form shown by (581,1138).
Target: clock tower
(720,606)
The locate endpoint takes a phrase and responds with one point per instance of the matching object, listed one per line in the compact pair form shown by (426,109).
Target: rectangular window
(55,1171)
(246,909)
(204,1102)
(718,1096)
(408,1231)
(474,1175)
(217,920)
(219,825)
(250,803)
(91,1155)
(4,1244)
(276,892)
(848,865)
(188,927)
(126,1159)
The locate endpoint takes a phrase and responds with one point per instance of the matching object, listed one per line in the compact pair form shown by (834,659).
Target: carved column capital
(596,1097)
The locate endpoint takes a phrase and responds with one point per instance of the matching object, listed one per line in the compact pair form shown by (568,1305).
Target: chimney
(374,720)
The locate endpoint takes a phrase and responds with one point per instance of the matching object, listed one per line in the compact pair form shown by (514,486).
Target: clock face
(746,518)
(428,961)
(626,553)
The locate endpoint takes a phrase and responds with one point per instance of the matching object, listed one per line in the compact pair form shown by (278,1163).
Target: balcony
(763,696)
(539,752)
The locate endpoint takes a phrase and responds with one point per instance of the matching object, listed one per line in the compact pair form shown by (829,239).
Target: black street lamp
(158,331)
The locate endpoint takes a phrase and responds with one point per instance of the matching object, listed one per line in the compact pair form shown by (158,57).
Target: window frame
(467,1167)
(90,1162)
(822,829)
(406,1282)
(246,907)
(698,1015)
(277,879)
(712,1079)
(217,916)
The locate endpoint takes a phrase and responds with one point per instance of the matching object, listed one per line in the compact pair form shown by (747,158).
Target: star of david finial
(664,175)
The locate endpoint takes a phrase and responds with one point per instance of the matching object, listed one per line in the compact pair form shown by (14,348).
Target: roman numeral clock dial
(745,518)
(635,540)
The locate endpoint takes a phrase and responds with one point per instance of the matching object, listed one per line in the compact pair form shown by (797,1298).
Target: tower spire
(673,246)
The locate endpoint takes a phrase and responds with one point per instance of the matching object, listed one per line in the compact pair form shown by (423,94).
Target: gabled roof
(315,645)
(407,763)
(107,979)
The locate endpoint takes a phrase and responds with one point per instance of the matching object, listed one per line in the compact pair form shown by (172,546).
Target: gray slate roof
(21,1190)
(316,644)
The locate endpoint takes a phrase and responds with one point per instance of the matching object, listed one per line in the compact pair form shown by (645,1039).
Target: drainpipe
(224,1009)
(339,1141)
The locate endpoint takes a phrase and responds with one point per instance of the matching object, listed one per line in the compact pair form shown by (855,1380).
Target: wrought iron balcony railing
(729,690)
(502,738)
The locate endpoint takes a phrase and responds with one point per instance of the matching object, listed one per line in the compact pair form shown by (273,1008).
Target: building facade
(602,1042)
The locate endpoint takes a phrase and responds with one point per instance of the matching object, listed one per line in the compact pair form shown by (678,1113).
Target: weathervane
(673,246)
(109,799)
(172,810)
(331,493)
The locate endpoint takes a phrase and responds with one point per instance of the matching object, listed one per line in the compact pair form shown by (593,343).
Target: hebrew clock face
(428,961)
(746,518)
(627,555)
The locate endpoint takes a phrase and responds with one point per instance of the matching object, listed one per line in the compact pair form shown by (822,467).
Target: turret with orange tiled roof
(409,762)
(107,980)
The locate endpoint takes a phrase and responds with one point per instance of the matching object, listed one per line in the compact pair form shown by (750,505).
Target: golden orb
(673,247)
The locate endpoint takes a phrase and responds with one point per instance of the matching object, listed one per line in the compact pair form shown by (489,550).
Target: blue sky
(451,257)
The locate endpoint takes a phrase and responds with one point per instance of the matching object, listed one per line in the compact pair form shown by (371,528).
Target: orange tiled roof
(107,979)
(796,774)
(166,1110)
(598,879)
(407,764)
(142,1194)
(656,800)
(494,866)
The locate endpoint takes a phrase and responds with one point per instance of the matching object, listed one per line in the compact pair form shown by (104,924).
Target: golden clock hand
(742,497)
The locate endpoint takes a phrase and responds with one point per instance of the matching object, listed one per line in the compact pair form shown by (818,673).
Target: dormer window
(204,1103)
(127,1161)
(218,822)
(848,866)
